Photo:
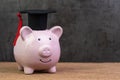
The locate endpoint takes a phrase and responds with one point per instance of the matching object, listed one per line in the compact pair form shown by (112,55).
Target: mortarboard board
(37,19)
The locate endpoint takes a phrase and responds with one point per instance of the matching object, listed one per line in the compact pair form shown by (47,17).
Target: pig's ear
(25,31)
(57,30)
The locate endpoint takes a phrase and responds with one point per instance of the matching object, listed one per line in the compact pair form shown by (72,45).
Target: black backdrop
(91,28)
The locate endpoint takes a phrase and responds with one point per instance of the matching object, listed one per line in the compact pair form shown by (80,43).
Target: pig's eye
(49,38)
(38,39)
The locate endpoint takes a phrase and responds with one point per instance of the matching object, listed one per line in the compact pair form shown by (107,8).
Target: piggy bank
(38,49)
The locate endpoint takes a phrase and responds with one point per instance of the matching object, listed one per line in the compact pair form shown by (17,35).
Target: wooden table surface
(65,71)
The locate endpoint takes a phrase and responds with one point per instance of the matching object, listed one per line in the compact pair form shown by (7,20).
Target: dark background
(91,28)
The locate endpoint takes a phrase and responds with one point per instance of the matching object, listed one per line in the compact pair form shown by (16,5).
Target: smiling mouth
(46,61)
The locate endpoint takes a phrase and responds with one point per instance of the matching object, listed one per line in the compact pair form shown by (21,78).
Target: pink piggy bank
(38,50)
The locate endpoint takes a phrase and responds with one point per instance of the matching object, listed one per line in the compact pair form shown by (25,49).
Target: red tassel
(19,27)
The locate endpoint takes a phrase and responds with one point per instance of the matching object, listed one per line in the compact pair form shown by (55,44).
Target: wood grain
(65,71)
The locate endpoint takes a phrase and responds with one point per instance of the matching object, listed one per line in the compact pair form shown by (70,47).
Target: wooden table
(65,71)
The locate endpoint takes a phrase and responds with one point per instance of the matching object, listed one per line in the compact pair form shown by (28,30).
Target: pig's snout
(45,51)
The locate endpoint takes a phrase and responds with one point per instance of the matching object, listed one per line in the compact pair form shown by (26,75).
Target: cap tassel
(19,27)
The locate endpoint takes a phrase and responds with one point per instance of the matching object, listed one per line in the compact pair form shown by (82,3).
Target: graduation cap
(37,19)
